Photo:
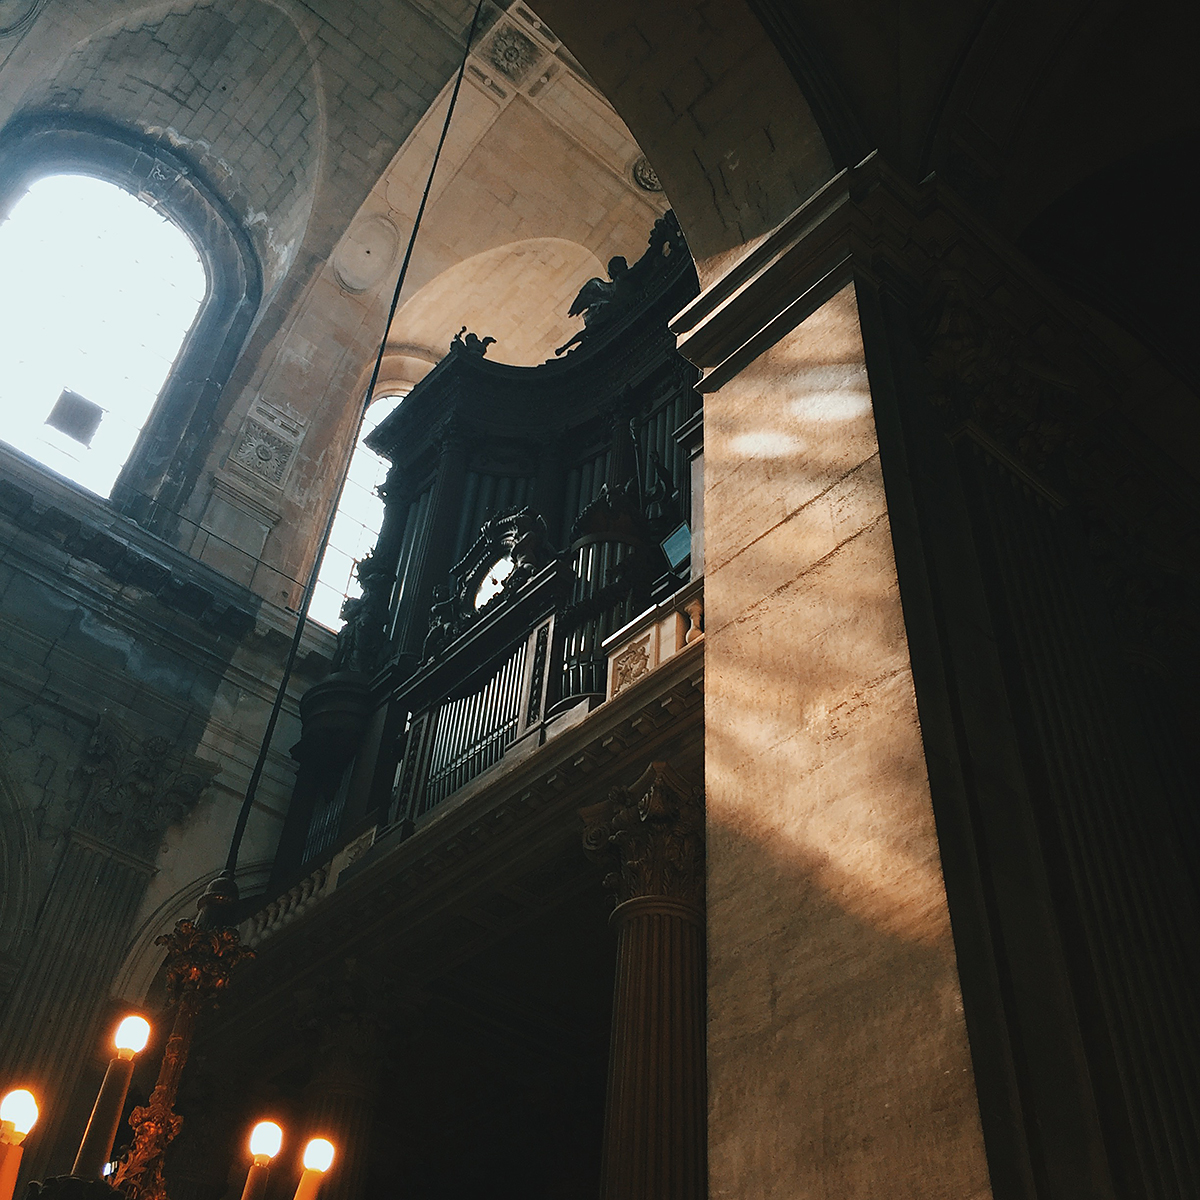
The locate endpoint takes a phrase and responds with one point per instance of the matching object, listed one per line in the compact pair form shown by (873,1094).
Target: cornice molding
(67,521)
(866,223)
(485,837)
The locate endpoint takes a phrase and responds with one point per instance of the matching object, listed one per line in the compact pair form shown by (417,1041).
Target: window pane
(100,291)
(356,526)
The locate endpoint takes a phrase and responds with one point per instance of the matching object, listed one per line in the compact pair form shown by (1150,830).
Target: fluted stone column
(341,1098)
(651,836)
(131,788)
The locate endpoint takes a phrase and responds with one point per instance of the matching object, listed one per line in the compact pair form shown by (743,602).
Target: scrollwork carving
(650,836)
(137,788)
(632,664)
(519,536)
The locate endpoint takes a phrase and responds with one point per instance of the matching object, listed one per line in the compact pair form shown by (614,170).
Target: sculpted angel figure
(594,299)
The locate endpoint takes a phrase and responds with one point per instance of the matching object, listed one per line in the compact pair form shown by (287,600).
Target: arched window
(100,293)
(356,526)
(169,455)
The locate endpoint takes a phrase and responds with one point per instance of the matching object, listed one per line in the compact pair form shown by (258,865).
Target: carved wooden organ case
(526,514)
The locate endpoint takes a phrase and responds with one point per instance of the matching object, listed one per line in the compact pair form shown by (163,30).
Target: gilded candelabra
(200,961)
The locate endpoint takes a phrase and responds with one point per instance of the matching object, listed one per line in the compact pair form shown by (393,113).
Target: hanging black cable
(224,888)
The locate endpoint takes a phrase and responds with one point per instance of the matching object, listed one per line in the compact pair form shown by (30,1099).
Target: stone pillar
(651,835)
(341,1096)
(131,788)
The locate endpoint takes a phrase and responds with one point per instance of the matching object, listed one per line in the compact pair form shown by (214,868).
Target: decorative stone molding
(137,788)
(85,528)
(250,502)
(644,175)
(349,854)
(653,638)
(366,254)
(262,452)
(512,52)
(297,900)
(631,664)
(267,443)
(286,908)
(651,837)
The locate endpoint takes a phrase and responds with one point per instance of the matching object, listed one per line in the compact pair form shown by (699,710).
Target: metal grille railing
(584,665)
(470,734)
(325,823)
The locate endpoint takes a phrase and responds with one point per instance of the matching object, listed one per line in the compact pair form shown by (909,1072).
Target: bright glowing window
(356,526)
(97,293)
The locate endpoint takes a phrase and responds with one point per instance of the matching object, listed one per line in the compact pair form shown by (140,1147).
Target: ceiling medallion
(512,53)
(645,176)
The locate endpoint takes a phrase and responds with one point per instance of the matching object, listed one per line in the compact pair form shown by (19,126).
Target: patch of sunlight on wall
(356,526)
(97,293)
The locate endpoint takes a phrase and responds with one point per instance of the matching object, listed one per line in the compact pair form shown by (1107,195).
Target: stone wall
(134,691)
(838,1059)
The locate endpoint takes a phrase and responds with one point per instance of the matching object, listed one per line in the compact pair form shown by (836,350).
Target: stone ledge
(75,524)
(652,638)
(496,824)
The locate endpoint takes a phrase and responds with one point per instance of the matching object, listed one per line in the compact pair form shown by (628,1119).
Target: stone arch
(706,95)
(167,458)
(518,293)
(190,77)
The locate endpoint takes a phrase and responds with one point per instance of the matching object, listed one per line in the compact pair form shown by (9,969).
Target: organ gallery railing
(532,649)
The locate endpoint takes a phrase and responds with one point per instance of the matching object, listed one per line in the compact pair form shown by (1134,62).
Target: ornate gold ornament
(199,964)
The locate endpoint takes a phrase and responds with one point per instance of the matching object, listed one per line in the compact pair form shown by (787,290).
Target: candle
(18,1115)
(130,1039)
(265,1140)
(318,1158)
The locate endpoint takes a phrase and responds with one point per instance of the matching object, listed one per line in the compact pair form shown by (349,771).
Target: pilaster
(133,788)
(650,835)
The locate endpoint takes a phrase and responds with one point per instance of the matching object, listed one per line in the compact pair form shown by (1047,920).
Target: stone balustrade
(299,898)
(651,639)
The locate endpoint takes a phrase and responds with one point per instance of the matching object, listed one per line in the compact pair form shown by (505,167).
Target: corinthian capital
(651,837)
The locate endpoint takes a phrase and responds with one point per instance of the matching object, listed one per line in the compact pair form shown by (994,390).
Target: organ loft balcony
(527,647)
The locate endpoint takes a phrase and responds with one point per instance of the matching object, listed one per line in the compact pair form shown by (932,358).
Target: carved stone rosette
(651,837)
(199,964)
